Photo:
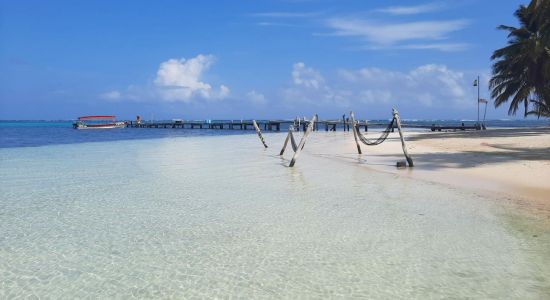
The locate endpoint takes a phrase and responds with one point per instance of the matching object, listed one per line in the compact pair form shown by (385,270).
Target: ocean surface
(172,213)
(40,133)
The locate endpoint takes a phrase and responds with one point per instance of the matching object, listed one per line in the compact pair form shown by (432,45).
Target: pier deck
(278,125)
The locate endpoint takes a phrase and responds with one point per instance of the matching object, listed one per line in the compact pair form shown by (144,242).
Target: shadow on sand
(501,153)
(511,132)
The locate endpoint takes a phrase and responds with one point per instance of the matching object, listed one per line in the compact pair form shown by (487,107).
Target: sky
(249,59)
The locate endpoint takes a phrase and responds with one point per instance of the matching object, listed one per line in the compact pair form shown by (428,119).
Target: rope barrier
(379,140)
(395,120)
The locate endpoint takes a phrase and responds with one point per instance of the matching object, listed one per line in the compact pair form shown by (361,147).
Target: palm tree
(522,68)
(540,109)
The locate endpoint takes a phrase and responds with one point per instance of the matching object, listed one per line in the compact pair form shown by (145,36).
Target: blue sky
(248,59)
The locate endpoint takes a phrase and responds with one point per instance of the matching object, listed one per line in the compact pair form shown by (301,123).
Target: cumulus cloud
(424,85)
(177,80)
(427,86)
(256,98)
(111,95)
(180,80)
(309,86)
(307,77)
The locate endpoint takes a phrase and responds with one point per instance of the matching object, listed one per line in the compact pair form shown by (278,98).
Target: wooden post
(398,121)
(302,142)
(355,133)
(290,129)
(259,132)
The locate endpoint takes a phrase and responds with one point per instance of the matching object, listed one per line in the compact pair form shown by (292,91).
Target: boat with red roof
(97,122)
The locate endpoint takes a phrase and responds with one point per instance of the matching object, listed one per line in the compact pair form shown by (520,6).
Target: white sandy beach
(508,162)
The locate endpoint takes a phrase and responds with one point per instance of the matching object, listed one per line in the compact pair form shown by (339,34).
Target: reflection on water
(211,216)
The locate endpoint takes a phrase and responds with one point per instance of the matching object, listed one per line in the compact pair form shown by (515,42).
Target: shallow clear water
(14,134)
(213,216)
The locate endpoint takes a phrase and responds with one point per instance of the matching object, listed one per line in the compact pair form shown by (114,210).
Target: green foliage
(522,69)
(540,109)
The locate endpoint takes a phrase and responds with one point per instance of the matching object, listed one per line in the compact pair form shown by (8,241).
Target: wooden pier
(278,125)
(265,125)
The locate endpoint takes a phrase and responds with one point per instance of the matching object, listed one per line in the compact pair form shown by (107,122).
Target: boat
(98,122)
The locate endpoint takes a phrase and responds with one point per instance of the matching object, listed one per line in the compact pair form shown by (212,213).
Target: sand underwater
(214,216)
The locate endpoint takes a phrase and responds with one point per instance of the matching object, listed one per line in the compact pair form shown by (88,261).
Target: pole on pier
(398,121)
(302,141)
(259,132)
(354,128)
(478,84)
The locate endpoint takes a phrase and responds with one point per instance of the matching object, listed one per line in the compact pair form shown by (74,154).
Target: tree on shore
(521,71)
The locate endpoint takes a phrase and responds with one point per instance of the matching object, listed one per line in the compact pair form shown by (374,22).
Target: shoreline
(510,163)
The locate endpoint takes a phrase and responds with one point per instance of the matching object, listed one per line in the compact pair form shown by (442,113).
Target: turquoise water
(212,216)
(15,134)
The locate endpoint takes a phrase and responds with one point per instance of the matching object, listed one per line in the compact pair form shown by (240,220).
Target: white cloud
(180,80)
(256,98)
(438,46)
(307,77)
(309,86)
(412,10)
(421,35)
(427,86)
(373,96)
(111,95)
(387,34)
(273,24)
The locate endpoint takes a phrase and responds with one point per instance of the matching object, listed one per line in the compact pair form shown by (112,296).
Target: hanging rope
(378,141)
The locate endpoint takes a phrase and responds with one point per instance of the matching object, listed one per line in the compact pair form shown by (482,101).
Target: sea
(25,133)
(181,213)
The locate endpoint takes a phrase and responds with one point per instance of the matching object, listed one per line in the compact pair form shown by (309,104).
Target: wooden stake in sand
(354,128)
(259,132)
(398,120)
(297,148)
(302,141)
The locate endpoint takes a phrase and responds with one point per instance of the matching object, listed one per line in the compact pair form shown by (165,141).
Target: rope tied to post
(395,120)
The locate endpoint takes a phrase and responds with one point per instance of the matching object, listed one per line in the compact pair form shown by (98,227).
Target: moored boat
(97,122)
